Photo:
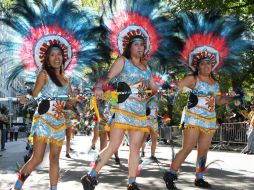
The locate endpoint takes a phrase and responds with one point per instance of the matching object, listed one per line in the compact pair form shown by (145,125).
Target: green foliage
(95,4)
(7,3)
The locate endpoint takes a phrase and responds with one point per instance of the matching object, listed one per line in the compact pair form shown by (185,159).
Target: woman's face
(55,58)
(205,68)
(137,49)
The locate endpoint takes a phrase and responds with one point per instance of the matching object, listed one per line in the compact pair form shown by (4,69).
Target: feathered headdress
(129,18)
(33,26)
(217,39)
(162,80)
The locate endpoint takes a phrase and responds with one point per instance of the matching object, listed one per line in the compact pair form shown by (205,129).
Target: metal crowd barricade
(226,137)
(169,133)
(230,133)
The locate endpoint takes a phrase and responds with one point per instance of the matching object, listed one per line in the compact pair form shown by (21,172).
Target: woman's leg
(190,138)
(68,140)
(154,136)
(117,159)
(95,137)
(103,140)
(204,142)
(144,144)
(54,155)
(136,139)
(116,137)
(36,158)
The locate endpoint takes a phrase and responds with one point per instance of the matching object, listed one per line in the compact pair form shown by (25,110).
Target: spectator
(250,143)
(7,132)
(0,135)
(3,127)
(11,133)
(16,132)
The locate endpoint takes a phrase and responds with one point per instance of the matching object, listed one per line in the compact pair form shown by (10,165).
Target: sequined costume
(202,116)
(50,126)
(131,114)
(152,104)
(69,115)
(102,123)
(108,116)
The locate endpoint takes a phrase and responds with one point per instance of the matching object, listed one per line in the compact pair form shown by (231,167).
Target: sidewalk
(233,171)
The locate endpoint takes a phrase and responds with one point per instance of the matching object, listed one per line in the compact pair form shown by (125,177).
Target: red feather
(196,40)
(26,51)
(125,19)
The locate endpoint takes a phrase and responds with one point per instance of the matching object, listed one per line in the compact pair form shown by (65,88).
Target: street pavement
(230,171)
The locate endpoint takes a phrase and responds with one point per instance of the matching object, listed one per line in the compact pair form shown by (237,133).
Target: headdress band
(54,48)
(205,59)
(137,40)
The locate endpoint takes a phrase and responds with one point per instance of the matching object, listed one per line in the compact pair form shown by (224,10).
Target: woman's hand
(232,94)
(25,99)
(98,92)
(226,99)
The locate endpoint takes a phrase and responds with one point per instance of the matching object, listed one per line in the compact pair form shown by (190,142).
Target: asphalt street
(232,170)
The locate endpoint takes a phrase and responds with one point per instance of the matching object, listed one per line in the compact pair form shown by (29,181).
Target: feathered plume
(219,39)
(127,18)
(34,25)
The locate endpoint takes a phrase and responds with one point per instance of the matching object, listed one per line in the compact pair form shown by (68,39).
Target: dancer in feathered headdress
(34,26)
(138,30)
(211,42)
(55,36)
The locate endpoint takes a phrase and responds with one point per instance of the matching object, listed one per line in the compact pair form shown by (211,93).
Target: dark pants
(11,136)
(16,135)
(7,133)
(3,137)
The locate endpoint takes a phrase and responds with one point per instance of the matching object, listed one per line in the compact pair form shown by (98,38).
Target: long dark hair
(127,51)
(49,69)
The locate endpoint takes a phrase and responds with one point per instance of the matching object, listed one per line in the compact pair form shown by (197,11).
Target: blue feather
(84,24)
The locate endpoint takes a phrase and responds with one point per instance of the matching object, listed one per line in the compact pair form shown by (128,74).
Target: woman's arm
(40,82)
(115,69)
(220,100)
(188,81)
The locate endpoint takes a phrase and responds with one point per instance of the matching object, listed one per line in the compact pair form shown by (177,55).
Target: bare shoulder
(42,76)
(119,63)
(121,59)
(43,73)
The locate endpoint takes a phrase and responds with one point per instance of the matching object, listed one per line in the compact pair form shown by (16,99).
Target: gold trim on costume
(208,131)
(138,100)
(54,116)
(48,140)
(116,110)
(61,127)
(130,127)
